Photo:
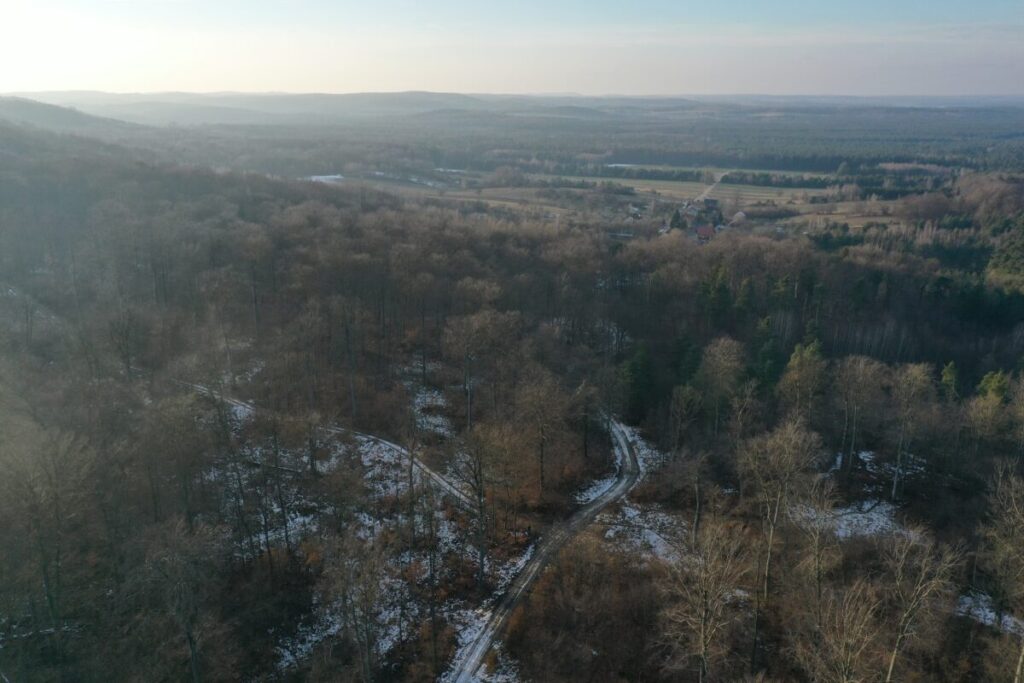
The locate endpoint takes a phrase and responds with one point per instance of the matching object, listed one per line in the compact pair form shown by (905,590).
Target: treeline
(777,180)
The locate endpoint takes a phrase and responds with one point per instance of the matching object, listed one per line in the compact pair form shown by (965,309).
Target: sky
(592,47)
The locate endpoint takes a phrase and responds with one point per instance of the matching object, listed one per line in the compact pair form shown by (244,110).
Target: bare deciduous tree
(919,582)
(683,411)
(860,384)
(719,373)
(1004,549)
(913,395)
(773,464)
(821,551)
(803,378)
(704,592)
(181,565)
(844,651)
(352,580)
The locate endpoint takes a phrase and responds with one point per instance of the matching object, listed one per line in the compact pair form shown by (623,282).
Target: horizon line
(677,95)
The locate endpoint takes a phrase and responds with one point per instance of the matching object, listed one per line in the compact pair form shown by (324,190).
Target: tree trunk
(586,434)
(757,627)
(899,462)
(818,581)
(1018,677)
(281,503)
(768,561)
(697,511)
(892,657)
(853,441)
(772,521)
(541,451)
(351,369)
(846,423)
(255,300)
(193,655)
(468,382)
(481,529)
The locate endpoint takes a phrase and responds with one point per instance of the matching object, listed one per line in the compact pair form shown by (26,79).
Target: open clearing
(682,190)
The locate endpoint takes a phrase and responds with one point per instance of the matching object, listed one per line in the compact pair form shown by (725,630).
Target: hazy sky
(869,47)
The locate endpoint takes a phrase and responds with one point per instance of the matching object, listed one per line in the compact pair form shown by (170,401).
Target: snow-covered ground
(396,612)
(870,517)
(867,518)
(505,670)
(594,490)
(864,519)
(645,531)
(508,571)
(295,649)
(386,470)
(882,471)
(649,457)
(386,474)
(427,405)
(639,529)
(469,622)
(979,607)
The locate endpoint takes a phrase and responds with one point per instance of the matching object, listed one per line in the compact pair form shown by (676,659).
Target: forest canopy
(308,401)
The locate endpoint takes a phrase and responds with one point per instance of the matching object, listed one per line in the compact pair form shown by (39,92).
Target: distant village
(700,219)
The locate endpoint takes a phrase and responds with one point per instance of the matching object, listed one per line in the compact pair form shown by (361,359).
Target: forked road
(444,484)
(472,661)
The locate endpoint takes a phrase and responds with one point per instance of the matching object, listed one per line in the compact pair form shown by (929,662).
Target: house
(705,233)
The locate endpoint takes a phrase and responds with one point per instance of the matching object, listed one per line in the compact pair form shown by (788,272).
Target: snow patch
(468,624)
(242,412)
(507,572)
(912,466)
(864,519)
(596,489)
(426,404)
(505,670)
(294,650)
(980,607)
(650,458)
(646,531)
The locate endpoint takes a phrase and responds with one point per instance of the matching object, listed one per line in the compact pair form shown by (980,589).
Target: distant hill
(197,109)
(21,142)
(51,117)
(258,108)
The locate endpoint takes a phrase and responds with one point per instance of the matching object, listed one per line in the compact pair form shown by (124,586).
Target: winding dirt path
(466,670)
